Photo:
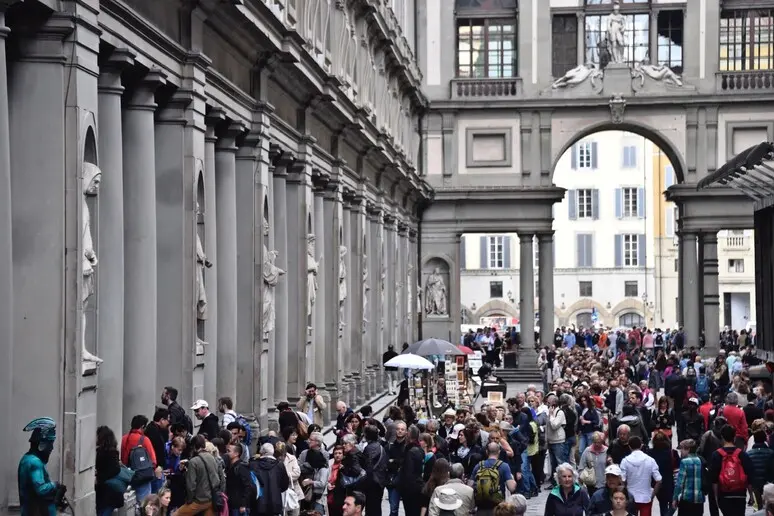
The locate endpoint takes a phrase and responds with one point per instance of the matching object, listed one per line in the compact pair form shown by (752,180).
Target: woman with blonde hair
(294,472)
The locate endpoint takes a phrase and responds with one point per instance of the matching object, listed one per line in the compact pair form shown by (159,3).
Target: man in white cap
(454,493)
(210,426)
(448,423)
(601,500)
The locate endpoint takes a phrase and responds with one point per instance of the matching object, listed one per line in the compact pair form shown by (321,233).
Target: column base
(272,424)
(359,394)
(333,397)
(344,391)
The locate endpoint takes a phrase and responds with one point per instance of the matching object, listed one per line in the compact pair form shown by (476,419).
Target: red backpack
(732,475)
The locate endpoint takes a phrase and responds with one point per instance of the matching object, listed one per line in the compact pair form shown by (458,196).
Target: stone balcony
(484,88)
(735,243)
(756,80)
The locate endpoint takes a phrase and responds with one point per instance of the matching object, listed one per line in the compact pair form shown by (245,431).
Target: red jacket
(705,410)
(131,440)
(735,417)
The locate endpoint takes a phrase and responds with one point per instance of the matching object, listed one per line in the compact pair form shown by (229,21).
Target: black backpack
(141,464)
(610,401)
(572,420)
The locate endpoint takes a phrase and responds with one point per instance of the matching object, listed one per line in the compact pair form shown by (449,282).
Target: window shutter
(572,200)
(595,204)
(633,156)
(618,201)
(669,174)
(626,156)
(507,252)
(574,157)
(594,155)
(462,252)
(589,248)
(641,202)
(484,255)
(641,250)
(580,252)
(669,221)
(618,251)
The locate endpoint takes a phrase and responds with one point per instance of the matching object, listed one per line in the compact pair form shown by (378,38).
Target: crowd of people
(598,435)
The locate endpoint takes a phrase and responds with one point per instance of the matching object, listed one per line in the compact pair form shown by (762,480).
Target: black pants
(713,503)
(374,495)
(412,503)
(537,462)
(732,506)
(690,509)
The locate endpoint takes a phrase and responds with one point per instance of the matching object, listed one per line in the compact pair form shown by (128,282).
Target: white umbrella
(410,361)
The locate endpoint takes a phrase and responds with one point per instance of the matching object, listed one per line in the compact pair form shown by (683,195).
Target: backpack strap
(722,452)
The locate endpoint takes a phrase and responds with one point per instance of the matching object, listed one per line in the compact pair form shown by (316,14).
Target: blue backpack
(248,431)
(702,385)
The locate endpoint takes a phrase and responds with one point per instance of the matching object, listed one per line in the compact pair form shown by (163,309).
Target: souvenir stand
(418,393)
(458,391)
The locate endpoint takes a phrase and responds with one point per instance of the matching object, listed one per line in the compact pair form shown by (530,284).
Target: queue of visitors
(598,436)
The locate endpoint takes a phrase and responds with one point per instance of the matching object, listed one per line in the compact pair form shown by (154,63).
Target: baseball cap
(456,429)
(693,400)
(614,470)
(200,404)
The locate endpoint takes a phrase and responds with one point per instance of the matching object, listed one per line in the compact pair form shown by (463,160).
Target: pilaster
(357,252)
(527,290)
(346,305)
(711,301)
(323,310)
(691,288)
(546,287)
(332,212)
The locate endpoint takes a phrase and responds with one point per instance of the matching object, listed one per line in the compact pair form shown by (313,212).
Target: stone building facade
(197,167)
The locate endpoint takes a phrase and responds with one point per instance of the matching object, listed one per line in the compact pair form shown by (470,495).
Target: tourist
(689,490)
(730,471)
(209,425)
(640,471)
(593,463)
(107,465)
(567,498)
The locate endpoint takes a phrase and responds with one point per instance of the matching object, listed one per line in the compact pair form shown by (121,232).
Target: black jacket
(107,466)
(377,458)
(177,415)
(210,427)
(389,355)
(411,478)
(274,481)
(675,387)
(617,451)
(762,458)
(158,439)
(239,485)
(341,419)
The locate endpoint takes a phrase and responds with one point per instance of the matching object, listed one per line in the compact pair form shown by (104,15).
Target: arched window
(583,320)
(631,319)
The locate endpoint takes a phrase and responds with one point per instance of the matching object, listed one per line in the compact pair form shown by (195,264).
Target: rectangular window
(564,44)
(495,289)
(630,208)
(486,48)
(585,155)
(630,156)
(636,30)
(630,250)
(631,289)
(584,289)
(670,39)
(746,41)
(736,265)
(585,203)
(496,253)
(584,250)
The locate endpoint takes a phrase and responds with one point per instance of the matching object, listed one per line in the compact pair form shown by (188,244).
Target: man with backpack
(730,470)
(138,455)
(490,479)
(177,414)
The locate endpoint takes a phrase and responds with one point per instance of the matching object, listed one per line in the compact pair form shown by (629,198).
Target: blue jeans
(394,497)
(556,454)
(108,511)
(568,445)
(235,512)
(585,442)
(156,484)
(142,492)
(528,483)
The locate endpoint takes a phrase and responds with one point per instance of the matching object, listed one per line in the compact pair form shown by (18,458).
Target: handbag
(291,499)
(219,498)
(589,475)
(120,483)
(347,481)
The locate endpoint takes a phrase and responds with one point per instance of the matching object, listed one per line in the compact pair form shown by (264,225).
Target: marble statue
(616,35)
(342,284)
(271,277)
(660,73)
(366,290)
(201,263)
(92,176)
(435,294)
(578,75)
(311,273)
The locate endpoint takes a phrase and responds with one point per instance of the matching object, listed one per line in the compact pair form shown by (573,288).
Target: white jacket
(555,427)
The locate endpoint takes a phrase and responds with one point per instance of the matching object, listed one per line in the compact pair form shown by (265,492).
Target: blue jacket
(601,503)
(576,504)
(592,416)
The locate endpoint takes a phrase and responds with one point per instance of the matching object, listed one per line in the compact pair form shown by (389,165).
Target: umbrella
(465,350)
(409,361)
(429,347)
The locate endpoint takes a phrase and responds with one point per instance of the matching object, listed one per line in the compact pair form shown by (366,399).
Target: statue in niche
(578,75)
(435,293)
(92,176)
(201,263)
(616,35)
(311,273)
(271,277)
(342,284)
(366,290)
(661,73)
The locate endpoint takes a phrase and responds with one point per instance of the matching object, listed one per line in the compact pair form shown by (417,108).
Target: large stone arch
(496,307)
(670,138)
(628,305)
(584,305)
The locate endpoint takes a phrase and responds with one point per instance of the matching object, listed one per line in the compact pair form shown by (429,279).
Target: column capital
(281,160)
(545,237)
(111,68)
(173,110)
(142,92)
(525,238)
(320,180)
(227,134)
(413,234)
(389,220)
(402,228)
(709,237)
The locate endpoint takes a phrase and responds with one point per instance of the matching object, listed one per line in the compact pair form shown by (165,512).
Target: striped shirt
(688,487)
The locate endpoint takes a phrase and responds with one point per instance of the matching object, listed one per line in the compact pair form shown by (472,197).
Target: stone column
(527,291)
(323,308)
(357,227)
(581,42)
(214,118)
(110,327)
(300,227)
(225,199)
(546,281)
(711,299)
(332,360)
(414,278)
(176,221)
(400,274)
(390,282)
(140,255)
(690,280)
(347,322)
(279,351)
(372,326)
(249,228)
